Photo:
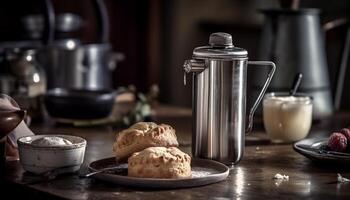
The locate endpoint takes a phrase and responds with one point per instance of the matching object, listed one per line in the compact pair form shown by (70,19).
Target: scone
(142,135)
(160,162)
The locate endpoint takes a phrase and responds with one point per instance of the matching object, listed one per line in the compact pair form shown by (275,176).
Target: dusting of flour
(198,172)
(51,141)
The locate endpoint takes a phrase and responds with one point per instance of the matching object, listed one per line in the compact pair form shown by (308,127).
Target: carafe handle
(262,92)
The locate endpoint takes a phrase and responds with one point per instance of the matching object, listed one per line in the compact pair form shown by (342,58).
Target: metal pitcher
(294,40)
(219,98)
(72,65)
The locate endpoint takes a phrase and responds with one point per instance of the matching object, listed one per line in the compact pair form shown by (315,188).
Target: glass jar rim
(305,98)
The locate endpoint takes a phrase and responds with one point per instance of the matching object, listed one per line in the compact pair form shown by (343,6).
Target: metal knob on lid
(220,47)
(220,39)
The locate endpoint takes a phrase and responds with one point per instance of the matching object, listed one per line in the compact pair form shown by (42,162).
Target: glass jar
(30,81)
(287,118)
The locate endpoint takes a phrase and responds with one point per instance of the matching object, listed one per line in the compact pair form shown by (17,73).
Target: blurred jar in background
(30,81)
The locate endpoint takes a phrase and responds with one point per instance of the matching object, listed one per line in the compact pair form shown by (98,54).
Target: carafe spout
(193,66)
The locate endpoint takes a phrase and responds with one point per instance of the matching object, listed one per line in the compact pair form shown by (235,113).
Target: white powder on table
(281,177)
(341,179)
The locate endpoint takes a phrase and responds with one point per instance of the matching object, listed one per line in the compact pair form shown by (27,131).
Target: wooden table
(250,179)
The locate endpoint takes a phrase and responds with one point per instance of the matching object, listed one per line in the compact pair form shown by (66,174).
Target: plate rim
(211,178)
(318,156)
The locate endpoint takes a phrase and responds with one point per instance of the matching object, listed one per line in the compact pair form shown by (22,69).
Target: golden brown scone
(142,135)
(160,162)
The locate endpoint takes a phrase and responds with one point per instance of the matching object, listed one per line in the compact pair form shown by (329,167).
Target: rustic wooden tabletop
(252,178)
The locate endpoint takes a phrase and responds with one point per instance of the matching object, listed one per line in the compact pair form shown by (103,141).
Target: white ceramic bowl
(38,159)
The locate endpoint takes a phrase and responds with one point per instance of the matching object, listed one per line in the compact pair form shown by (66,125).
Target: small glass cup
(287,118)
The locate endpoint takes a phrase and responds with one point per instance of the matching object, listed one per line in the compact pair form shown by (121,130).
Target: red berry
(337,142)
(346,133)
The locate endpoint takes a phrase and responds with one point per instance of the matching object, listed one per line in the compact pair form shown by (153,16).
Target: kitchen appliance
(72,65)
(84,67)
(79,75)
(219,98)
(294,40)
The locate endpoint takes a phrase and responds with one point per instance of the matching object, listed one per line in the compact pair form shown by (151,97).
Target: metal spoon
(322,150)
(296,83)
(117,169)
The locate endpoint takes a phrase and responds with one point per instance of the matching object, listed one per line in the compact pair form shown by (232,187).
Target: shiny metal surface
(220,47)
(219,102)
(194,66)
(84,67)
(263,90)
(220,39)
(219,53)
(219,109)
(94,70)
(72,65)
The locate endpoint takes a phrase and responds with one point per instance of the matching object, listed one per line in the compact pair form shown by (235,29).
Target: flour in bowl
(51,141)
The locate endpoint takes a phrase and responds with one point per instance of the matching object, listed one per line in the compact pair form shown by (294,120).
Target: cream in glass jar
(287,118)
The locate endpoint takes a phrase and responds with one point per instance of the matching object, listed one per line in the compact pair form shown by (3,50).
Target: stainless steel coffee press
(219,98)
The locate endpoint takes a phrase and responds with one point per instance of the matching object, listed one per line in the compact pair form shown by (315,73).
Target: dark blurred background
(156,36)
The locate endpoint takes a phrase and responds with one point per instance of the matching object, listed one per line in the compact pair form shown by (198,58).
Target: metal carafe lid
(220,46)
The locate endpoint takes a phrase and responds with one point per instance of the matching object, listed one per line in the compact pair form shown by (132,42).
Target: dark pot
(79,104)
